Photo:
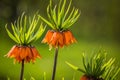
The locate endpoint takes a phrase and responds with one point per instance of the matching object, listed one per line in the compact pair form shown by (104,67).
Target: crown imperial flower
(55,38)
(23,52)
(25,32)
(60,19)
(98,68)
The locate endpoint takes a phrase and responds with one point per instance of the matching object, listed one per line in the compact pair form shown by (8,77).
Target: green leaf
(40,31)
(67,20)
(25,24)
(18,23)
(71,22)
(83,59)
(54,16)
(21,19)
(74,67)
(47,22)
(15,32)
(59,5)
(68,9)
(31,28)
(37,34)
(62,12)
(106,74)
(50,15)
(116,73)
(10,35)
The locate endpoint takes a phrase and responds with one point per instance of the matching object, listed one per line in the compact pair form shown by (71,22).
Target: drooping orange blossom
(59,38)
(26,53)
(60,19)
(24,34)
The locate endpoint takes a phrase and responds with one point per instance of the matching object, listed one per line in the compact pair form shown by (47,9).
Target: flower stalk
(55,63)
(22,70)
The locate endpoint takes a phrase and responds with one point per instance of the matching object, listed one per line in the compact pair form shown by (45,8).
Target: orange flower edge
(69,38)
(84,77)
(48,37)
(26,53)
(59,38)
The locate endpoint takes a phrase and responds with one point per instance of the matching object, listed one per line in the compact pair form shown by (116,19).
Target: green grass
(71,54)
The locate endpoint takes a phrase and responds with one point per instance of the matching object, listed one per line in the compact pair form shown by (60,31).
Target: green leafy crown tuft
(26,29)
(59,17)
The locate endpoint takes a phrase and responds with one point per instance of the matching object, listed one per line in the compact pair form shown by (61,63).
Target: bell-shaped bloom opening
(48,36)
(69,38)
(26,53)
(58,38)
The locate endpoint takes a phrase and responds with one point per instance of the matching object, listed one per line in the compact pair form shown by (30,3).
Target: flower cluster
(27,53)
(56,38)
(25,31)
(60,20)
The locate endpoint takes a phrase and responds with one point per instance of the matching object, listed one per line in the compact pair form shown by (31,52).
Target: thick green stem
(55,63)
(22,70)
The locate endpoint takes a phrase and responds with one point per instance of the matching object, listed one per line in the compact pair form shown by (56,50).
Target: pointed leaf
(10,35)
(47,22)
(15,33)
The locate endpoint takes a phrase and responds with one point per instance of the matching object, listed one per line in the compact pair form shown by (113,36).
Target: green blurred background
(97,28)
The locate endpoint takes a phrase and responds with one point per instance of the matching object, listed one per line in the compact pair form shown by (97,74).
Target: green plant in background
(60,19)
(98,67)
(25,31)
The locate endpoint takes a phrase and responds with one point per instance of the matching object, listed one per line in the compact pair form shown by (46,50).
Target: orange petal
(27,59)
(22,51)
(30,55)
(55,39)
(61,39)
(12,53)
(72,37)
(48,37)
(18,59)
(26,51)
(67,38)
(35,53)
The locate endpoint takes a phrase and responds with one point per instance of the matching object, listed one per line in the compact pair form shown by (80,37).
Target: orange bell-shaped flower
(69,38)
(59,38)
(26,53)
